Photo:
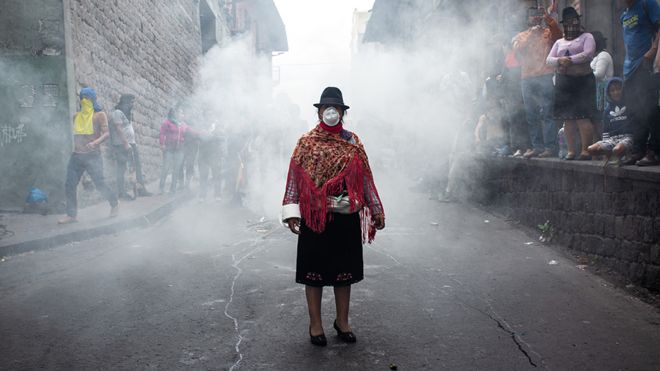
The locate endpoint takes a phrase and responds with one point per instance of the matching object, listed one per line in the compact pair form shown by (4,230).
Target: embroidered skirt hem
(332,257)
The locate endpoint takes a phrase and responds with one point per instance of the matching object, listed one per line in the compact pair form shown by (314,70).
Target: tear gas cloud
(409,98)
(235,94)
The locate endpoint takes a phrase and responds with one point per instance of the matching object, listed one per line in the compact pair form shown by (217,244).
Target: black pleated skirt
(333,257)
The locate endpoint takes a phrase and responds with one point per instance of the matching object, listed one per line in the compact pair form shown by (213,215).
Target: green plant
(547,231)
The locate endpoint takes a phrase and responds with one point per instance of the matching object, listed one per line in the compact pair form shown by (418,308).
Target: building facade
(49,49)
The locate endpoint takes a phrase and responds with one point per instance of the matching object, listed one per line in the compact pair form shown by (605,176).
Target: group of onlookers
(561,80)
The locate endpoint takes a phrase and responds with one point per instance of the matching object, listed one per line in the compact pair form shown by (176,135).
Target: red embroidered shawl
(327,164)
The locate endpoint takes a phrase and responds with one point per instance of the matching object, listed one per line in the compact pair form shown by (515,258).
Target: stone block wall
(609,214)
(147,48)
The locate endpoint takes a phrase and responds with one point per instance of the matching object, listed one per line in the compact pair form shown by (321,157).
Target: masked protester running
(90,129)
(332,204)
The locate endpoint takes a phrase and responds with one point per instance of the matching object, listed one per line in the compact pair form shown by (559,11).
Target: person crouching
(618,125)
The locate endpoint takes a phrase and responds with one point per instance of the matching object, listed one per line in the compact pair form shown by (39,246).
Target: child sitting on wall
(618,126)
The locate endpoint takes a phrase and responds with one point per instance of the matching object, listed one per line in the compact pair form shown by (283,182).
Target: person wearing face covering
(531,48)
(90,129)
(124,146)
(575,84)
(332,204)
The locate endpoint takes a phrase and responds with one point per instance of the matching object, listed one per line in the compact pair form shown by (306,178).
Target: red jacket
(172,135)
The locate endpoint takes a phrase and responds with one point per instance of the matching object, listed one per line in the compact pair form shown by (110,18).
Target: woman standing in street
(332,204)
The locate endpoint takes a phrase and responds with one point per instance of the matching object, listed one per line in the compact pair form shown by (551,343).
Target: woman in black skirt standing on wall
(575,84)
(332,203)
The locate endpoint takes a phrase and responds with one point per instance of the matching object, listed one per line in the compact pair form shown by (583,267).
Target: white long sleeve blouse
(603,66)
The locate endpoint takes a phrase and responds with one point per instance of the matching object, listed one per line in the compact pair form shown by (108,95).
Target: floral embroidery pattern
(313,276)
(344,276)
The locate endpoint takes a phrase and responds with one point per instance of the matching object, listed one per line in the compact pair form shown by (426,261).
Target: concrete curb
(75,236)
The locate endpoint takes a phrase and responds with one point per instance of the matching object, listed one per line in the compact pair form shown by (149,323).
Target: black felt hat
(569,13)
(331,96)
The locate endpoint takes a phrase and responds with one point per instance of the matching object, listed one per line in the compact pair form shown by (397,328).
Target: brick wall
(144,47)
(610,214)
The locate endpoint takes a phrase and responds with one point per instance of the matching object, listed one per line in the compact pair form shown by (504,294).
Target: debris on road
(486,221)
(553,262)
(529,243)
(582,267)
(262,226)
(435,224)
(393,367)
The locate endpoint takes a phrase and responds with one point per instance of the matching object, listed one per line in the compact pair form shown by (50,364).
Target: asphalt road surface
(446,287)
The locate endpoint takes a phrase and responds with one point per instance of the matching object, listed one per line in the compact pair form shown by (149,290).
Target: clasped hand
(294,223)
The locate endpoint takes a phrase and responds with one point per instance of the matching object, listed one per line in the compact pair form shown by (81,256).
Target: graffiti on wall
(51,93)
(10,134)
(25,95)
(46,95)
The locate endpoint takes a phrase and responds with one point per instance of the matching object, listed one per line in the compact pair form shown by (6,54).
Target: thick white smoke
(235,93)
(409,100)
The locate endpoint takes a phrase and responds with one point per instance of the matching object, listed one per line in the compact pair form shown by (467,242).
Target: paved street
(446,287)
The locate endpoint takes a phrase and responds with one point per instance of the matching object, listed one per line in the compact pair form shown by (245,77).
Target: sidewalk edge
(76,236)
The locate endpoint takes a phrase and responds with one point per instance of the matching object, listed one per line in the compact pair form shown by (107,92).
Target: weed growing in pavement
(547,231)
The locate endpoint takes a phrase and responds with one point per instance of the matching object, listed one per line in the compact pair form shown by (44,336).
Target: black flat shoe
(346,337)
(319,340)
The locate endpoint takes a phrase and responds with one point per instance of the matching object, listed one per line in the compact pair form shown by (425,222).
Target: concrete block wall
(34,112)
(609,214)
(143,47)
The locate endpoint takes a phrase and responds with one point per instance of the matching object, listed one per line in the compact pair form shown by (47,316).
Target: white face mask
(331,116)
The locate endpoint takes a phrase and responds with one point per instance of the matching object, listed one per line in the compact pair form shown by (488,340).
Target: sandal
(570,156)
(584,157)
(613,160)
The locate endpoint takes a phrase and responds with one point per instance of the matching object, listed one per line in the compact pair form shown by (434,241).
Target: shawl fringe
(313,200)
